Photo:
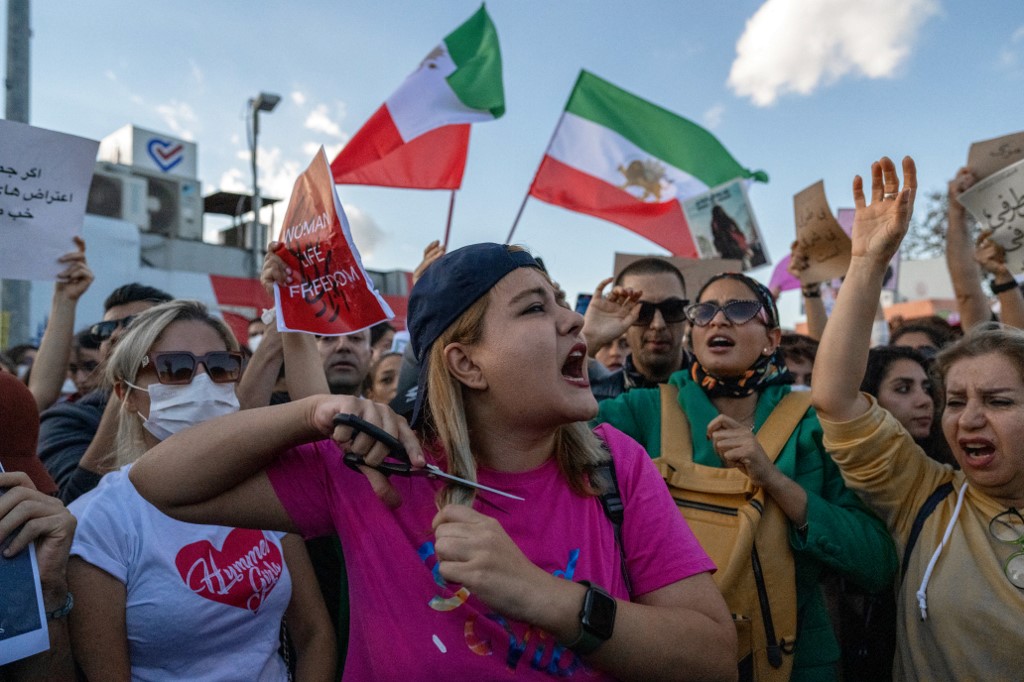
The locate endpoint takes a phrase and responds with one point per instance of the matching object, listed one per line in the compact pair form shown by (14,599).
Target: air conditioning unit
(119,195)
(175,207)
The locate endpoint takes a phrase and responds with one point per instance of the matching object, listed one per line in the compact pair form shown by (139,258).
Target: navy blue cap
(446,290)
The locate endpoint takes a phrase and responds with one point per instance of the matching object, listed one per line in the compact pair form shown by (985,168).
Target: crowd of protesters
(277,507)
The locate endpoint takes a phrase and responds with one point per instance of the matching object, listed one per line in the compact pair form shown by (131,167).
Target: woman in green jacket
(736,379)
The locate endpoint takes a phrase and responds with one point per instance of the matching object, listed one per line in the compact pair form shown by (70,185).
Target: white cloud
(298,97)
(796,46)
(713,116)
(311,148)
(197,73)
(111,76)
(233,180)
(366,233)
(1009,56)
(319,122)
(179,117)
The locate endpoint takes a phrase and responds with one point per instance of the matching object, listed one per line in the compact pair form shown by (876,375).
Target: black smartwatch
(597,620)
(1002,288)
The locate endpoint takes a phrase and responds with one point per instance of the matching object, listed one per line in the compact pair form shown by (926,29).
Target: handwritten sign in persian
(44,187)
(333,295)
(988,156)
(997,203)
(821,239)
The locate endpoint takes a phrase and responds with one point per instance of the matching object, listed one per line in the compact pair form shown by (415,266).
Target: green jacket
(842,533)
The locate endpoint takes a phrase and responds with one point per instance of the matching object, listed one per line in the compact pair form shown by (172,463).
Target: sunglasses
(672,310)
(88,366)
(104,330)
(737,312)
(179,367)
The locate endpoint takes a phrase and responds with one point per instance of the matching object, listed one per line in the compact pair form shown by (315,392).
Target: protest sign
(997,202)
(44,188)
(988,156)
(820,238)
(696,272)
(723,225)
(333,295)
(23,629)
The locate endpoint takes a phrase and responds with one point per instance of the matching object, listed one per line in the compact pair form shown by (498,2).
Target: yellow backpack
(745,533)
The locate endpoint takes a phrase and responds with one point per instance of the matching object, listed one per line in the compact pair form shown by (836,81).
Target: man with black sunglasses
(76,438)
(647,304)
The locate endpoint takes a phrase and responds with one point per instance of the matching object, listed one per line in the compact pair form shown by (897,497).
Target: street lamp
(265,101)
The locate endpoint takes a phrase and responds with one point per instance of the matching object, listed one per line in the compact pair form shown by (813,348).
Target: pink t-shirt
(406,623)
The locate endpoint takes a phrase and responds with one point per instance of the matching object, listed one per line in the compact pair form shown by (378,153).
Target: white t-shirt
(204,602)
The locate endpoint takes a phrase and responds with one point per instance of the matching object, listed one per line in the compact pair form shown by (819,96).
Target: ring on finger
(889,195)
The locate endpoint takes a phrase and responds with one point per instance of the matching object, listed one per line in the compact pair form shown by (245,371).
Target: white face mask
(173,408)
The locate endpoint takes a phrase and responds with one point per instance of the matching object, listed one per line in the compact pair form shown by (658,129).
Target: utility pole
(14,327)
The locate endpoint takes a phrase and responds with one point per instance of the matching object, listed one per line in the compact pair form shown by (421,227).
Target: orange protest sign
(821,241)
(333,294)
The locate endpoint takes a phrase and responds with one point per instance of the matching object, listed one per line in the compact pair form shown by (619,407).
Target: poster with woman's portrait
(723,225)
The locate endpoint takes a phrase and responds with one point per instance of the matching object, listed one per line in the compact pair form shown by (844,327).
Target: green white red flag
(419,137)
(623,159)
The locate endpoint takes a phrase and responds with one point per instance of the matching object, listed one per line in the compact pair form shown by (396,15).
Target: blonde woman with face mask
(159,599)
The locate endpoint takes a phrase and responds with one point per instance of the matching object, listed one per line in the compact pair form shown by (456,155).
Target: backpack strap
(605,480)
(676,443)
(676,438)
(776,430)
(937,496)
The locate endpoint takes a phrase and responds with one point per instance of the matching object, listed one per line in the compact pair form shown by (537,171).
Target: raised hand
(879,227)
(274,270)
(431,253)
(608,317)
(991,256)
(76,277)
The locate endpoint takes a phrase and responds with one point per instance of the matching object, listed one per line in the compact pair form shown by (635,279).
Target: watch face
(600,613)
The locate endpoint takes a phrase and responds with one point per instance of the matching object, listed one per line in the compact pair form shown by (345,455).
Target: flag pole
(448,226)
(508,240)
(515,223)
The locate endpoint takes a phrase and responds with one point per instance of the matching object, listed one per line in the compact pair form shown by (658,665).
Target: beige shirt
(975,624)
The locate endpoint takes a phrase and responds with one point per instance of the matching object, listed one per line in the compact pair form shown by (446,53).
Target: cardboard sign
(988,156)
(820,237)
(723,225)
(333,295)
(44,188)
(997,203)
(696,272)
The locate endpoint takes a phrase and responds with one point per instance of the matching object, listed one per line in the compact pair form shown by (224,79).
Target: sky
(804,90)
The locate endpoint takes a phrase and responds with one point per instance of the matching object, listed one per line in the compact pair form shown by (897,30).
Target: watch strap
(590,636)
(1001,288)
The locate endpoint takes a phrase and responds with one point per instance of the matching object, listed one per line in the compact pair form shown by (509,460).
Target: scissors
(398,459)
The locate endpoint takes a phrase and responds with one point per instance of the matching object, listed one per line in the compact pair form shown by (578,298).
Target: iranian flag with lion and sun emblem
(419,137)
(623,159)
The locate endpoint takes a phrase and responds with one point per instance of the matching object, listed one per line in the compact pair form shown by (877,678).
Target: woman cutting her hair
(447,580)
(735,383)
(959,533)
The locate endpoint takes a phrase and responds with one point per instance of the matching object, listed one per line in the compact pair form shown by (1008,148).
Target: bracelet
(1001,288)
(802,530)
(811,291)
(69,603)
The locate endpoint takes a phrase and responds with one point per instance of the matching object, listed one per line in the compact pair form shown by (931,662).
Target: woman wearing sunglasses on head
(459,581)
(960,533)
(712,415)
(159,599)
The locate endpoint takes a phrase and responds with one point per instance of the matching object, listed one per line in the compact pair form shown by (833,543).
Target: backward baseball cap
(445,291)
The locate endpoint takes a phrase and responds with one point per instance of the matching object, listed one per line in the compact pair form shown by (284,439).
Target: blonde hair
(577,449)
(990,337)
(131,348)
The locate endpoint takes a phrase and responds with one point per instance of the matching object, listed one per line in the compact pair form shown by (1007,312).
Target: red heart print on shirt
(242,573)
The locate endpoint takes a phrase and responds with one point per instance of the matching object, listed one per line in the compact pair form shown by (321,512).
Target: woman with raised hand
(737,381)
(451,581)
(958,532)
(159,599)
